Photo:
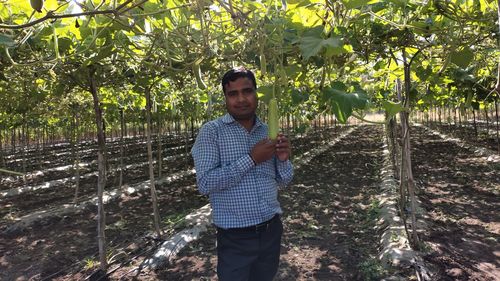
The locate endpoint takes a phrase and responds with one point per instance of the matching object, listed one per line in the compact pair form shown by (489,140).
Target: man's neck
(247,123)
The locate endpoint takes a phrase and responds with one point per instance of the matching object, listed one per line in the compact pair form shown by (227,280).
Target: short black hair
(235,73)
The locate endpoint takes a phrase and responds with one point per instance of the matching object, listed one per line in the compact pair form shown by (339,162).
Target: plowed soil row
(329,218)
(60,248)
(467,134)
(460,193)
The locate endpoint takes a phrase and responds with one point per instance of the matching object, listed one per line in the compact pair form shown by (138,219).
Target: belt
(264,226)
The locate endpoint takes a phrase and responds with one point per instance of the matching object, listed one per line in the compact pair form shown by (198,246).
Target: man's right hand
(263,150)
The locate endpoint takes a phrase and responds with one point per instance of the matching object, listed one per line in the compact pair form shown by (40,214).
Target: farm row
(128,215)
(330,214)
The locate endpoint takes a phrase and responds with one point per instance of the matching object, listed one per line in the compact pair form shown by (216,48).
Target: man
(240,169)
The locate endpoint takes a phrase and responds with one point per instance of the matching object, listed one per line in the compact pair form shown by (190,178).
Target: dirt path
(461,195)
(329,219)
(60,247)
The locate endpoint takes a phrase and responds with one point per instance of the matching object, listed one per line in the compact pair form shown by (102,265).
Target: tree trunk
(75,151)
(192,127)
(125,128)
(160,152)
(2,158)
(52,136)
(122,149)
(150,160)
(498,129)
(454,116)
(22,138)
(392,140)
(487,120)
(13,141)
(459,117)
(474,122)
(44,136)
(406,151)
(101,182)
(186,150)
(38,148)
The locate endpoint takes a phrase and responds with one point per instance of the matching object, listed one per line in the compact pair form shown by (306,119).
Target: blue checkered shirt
(241,193)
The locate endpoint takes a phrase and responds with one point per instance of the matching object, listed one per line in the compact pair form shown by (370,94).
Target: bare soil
(329,219)
(330,213)
(65,247)
(467,134)
(460,194)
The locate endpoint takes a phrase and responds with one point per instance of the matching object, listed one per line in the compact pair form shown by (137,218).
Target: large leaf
(311,46)
(392,108)
(341,113)
(333,46)
(312,43)
(423,73)
(353,4)
(103,53)
(462,58)
(299,97)
(343,103)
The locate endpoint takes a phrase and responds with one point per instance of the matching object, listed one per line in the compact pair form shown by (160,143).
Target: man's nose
(240,96)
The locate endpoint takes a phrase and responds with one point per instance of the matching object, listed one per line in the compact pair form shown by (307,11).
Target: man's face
(241,99)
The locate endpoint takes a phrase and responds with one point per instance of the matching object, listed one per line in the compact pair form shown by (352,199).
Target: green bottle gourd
(273,119)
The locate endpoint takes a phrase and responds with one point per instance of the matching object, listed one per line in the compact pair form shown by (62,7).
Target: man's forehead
(242,81)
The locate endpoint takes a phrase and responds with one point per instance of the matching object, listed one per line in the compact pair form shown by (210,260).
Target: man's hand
(263,151)
(283,149)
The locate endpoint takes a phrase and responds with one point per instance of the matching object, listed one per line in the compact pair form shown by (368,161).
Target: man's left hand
(283,149)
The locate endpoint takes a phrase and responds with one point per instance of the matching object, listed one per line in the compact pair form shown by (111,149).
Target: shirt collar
(228,119)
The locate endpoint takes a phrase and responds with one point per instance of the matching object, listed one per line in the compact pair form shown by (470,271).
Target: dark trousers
(249,254)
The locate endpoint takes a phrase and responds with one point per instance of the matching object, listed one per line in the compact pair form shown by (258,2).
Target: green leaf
(353,4)
(392,108)
(313,43)
(64,45)
(6,41)
(341,113)
(310,46)
(462,58)
(423,73)
(299,97)
(265,93)
(334,46)
(103,53)
(342,102)
(400,3)
(203,97)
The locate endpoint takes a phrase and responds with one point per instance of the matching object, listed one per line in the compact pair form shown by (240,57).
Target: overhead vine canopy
(320,56)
